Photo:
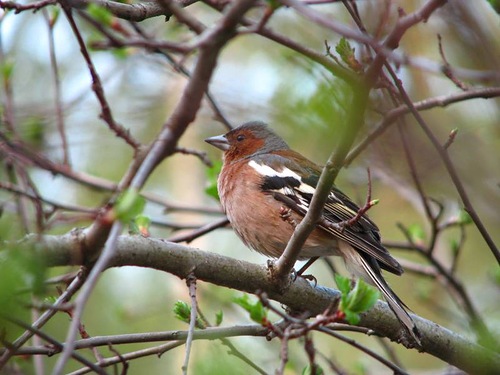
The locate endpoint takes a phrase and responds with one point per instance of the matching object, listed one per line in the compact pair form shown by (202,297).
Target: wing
(293,180)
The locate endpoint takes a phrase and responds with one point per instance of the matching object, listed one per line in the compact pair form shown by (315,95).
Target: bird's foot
(286,215)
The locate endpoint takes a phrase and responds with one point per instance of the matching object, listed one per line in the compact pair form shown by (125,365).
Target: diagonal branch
(354,123)
(101,232)
(106,114)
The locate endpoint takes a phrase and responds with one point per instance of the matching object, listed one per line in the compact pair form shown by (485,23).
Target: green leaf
(416,233)
(343,48)
(273,4)
(54,16)
(357,300)
(257,311)
(424,289)
(140,225)
(100,14)
(308,370)
(454,246)
(128,205)
(495,273)
(346,53)
(212,175)
(362,297)
(7,68)
(33,130)
(120,53)
(182,311)
(352,317)
(219,316)
(343,283)
(464,218)
(50,300)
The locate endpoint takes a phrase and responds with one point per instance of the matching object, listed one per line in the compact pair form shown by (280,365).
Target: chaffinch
(261,176)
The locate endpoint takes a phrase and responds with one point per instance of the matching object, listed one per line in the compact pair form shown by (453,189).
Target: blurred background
(257,79)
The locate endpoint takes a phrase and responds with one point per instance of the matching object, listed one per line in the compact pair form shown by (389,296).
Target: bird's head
(249,139)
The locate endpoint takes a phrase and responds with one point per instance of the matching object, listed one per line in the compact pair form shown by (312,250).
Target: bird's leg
(304,268)
(307,265)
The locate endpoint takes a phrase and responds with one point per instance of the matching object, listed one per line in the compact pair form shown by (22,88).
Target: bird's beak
(219,141)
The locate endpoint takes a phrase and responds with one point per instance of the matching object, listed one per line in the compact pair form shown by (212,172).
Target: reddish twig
(300,327)
(121,358)
(188,237)
(106,114)
(451,139)
(452,172)
(18,8)
(52,341)
(369,203)
(447,70)
(439,101)
(57,88)
(199,154)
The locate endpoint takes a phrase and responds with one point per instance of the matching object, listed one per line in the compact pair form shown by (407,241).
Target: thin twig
(22,7)
(191,283)
(447,70)
(395,369)
(452,172)
(218,114)
(232,349)
(56,343)
(57,87)
(188,237)
(199,154)
(80,302)
(209,333)
(106,114)
(45,317)
(430,103)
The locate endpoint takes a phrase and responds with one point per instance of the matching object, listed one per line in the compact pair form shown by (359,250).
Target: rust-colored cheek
(241,150)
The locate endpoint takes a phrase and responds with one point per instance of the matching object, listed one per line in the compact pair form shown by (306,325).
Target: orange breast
(258,219)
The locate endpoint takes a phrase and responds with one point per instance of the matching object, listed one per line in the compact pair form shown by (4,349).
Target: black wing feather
(363,234)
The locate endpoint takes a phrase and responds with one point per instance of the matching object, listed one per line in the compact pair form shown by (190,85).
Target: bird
(262,181)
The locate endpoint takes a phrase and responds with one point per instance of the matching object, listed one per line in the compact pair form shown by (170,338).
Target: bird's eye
(240,138)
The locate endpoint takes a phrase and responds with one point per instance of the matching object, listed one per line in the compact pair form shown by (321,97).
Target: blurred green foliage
(309,371)
(22,276)
(100,14)
(129,205)
(212,175)
(140,225)
(495,4)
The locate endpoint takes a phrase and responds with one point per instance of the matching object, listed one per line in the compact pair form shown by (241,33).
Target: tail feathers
(395,303)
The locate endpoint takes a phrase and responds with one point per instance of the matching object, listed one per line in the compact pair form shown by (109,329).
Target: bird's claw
(286,215)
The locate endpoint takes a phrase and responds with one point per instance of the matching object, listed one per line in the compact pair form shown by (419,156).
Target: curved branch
(132,12)
(439,101)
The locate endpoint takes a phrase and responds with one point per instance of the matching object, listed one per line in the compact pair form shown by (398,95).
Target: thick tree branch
(133,12)
(181,260)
